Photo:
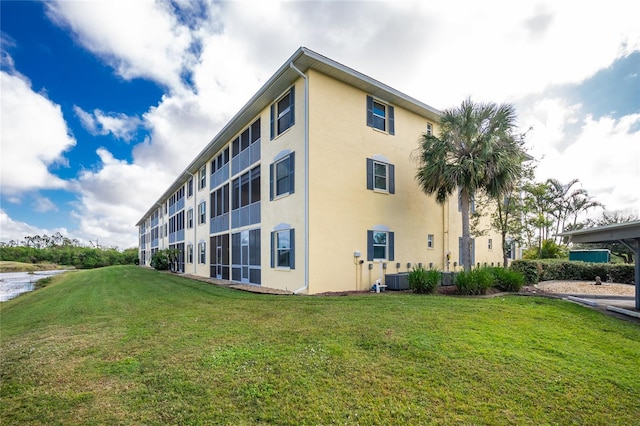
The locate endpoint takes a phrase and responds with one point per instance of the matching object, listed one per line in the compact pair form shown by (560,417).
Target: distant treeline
(63,251)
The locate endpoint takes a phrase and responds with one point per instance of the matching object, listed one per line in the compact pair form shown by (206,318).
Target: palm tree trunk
(505,258)
(466,237)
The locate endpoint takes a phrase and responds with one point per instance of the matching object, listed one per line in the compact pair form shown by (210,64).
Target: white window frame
(202,178)
(429,129)
(286,248)
(490,244)
(430,241)
(385,245)
(384,117)
(189,218)
(386,176)
(285,161)
(190,253)
(279,114)
(202,213)
(202,253)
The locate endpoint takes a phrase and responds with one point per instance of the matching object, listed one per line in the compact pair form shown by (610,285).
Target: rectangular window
(282,176)
(190,187)
(190,253)
(380,245)
(189,218)
(202,176)
(429,129)
(202,253)
(202,213)
(430,241)
(490,244)
(380,176)
(282,113)
(283,249)
(380,115)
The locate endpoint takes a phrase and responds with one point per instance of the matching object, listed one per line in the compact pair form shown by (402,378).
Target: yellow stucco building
(311,188)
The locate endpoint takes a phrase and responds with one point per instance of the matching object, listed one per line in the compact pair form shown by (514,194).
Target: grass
(126,345)
(11,266)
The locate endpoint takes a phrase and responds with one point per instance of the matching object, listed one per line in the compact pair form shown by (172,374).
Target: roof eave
(303,59)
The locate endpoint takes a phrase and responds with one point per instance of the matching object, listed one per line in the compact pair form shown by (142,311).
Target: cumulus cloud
(113,198)
(212,56)
(140,38)
(603,154)
(34,137)
(121,126)
(43,204)
(16,230)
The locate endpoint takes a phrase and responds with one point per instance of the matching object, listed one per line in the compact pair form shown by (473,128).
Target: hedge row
(538,270)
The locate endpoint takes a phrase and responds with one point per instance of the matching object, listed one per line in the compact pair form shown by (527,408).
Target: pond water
(13,284)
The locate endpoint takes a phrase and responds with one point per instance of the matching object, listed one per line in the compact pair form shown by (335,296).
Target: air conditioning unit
(397,282)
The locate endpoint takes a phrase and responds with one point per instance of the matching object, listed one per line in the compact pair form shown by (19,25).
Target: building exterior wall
(343,209)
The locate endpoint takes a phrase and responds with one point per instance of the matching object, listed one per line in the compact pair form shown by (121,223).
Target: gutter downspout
(306,178)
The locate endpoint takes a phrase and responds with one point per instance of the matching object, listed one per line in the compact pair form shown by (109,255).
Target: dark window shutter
(292,104)
(292,162)
(271,177)
(392,179)
(392,128)
(369,245)
(369,173)
(369,111)
(460,251)
(273,254)
(391,246)
(292,251)
(273,123)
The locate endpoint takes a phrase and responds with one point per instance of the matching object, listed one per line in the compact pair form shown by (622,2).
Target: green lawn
(126,345)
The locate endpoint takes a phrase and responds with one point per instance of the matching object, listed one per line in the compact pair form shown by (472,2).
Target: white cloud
(121,126)
(15,230)
(34,137)
(43,204)
(137,38)
(438,53)
(604,155)
(107,209)
(606,159)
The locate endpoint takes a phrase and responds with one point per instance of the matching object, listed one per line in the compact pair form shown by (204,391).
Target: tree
(477,152)
(609,218)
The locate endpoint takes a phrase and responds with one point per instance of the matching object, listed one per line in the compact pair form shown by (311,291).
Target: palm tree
(477,151)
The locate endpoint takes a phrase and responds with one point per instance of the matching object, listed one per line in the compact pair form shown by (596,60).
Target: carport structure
(627,233)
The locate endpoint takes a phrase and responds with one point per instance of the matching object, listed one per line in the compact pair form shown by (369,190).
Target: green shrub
(535,271)
(423,281)
(529,270)
(507,279)
(161,260)
(476,281)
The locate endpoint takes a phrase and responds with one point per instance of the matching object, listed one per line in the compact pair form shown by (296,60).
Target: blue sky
(105,102)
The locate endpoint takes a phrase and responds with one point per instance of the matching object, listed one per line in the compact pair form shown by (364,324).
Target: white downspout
(306,179)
